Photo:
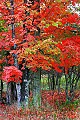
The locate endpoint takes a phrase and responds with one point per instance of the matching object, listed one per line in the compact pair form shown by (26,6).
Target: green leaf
(55,24)
(58,0)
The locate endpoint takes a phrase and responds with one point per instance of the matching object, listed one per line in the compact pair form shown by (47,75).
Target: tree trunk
(25,88)
(66,88)
(37,75)
(11,93)
(53,82)
(59,85)
(18,86)
(1,88)
(8,94)
(37,89)
(58,77)
(49,81)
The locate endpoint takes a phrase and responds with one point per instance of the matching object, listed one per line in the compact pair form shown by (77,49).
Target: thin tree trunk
(25,80)
(58,81)
(58,85)
(53,82)
(8,94)
(49,81)
(74,79)
(72,86)
(66,88)
(9,90)
(37,75)
(18,86)
(77,79)
(56,78)
(71,81)
(37,89)
(25,88)
(1,88)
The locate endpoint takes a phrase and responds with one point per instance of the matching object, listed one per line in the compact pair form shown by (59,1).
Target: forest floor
(54,107)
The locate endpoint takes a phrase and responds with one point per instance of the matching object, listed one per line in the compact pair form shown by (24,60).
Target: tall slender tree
(18,86)
(37,74)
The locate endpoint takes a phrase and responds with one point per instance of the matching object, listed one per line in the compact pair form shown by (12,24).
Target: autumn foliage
(42,51)
(11,73)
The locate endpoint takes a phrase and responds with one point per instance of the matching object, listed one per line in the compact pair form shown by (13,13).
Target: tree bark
(37,89)
(8,94)
(25,88)
(18,86)
(1,88)
(53,82)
